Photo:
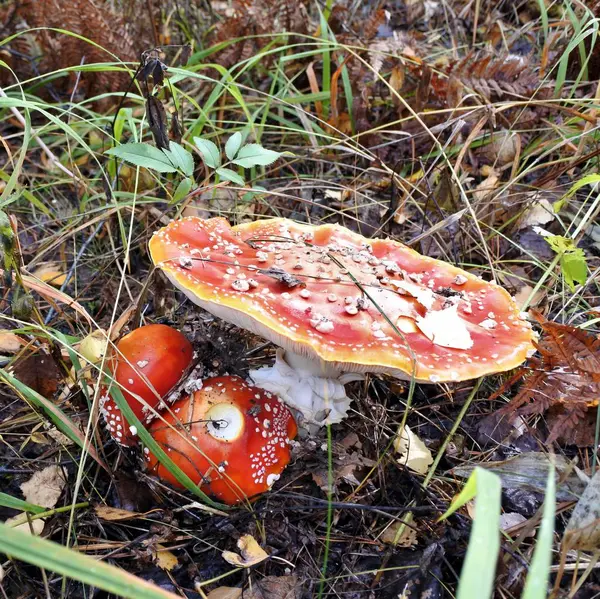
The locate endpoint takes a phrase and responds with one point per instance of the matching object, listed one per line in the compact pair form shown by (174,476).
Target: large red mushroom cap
(146,364)
(319,291)
(230,438)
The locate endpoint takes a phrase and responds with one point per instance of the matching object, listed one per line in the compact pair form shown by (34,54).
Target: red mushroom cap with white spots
(146,364)
(230,438)
(319,291)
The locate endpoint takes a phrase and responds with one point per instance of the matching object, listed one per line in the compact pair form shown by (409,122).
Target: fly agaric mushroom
(230,438)
(335,302)
(146,364)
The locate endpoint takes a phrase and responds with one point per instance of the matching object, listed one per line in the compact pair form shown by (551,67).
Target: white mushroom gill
(314,389)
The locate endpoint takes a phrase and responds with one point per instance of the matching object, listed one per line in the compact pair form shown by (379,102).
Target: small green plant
(479,568)
(571,259)
(176,159)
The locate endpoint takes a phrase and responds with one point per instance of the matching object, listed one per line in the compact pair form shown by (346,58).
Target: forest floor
(466,130)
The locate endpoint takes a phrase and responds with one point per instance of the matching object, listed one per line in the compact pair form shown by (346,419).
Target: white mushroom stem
(315,389)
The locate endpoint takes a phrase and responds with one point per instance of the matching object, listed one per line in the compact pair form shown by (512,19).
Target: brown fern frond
(256,21)
(566,375)
(493,77)
(118,40)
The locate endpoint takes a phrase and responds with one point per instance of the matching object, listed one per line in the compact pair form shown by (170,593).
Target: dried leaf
(113,514)
(414,454)
(540,212)
(51,273)
(39,372)
(44,487)
(251,553)
(399,535)
(583,530)
(225,593)
(529,472)
(568,370)
(165,559)
(9,343)
(274,587)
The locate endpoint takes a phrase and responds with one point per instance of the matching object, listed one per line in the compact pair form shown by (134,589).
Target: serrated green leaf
(254,155)
(233,145)
(182,159)
(560,244)
(73,564)
(145,155)
(574,268)
(182,190)
(209,151)
(229,175)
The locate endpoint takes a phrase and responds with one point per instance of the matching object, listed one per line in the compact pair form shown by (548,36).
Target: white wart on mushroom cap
(295,284)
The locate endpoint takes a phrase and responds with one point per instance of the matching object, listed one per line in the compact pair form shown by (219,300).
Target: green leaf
(229,175)
(479,568)
(144,155)
(254,154)
(574,268)
(536,583)
(560,244)
(233,145)
(468,492)
(182,190)
(18,504)
(209,151)
(76,565)
(181,158)
(572,259)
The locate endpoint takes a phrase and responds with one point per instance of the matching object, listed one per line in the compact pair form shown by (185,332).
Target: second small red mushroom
(230,438)
(146,364)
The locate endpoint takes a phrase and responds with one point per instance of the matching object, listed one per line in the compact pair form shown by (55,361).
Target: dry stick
(53,159)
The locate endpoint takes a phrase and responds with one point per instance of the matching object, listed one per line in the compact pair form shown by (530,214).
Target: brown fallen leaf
(414,454)
(583,529)
(225,593)
(165,559)
(114,514)
(399,535)
(251,553)
(39,372)
(45,487)
(51,273)
(274,587)
(9,343)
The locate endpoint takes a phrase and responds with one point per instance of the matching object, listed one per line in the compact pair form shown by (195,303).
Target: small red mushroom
(230,438)
(146,365)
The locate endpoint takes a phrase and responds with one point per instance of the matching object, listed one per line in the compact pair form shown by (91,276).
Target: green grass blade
(70,563)
(479,568)
(536,583)
(18,504)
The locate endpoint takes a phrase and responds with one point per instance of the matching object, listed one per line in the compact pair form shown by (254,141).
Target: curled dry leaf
(39,372)
(9,343)
(113,514)
(251,553)
(413,452)
(165,559)
(44,487)
(225,593)
(50,273)
(583,529)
